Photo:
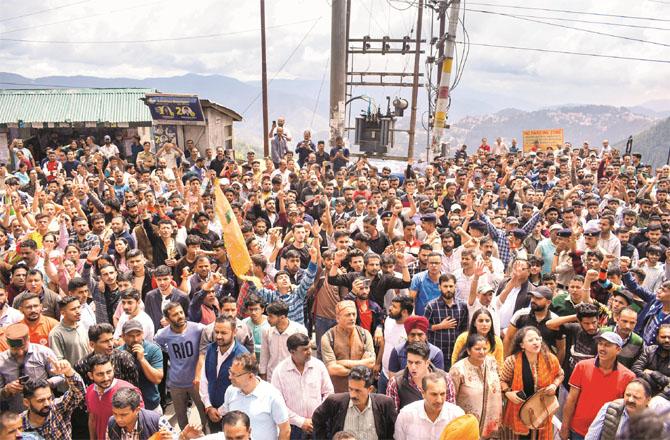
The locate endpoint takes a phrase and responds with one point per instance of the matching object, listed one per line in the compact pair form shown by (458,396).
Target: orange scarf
(547,370)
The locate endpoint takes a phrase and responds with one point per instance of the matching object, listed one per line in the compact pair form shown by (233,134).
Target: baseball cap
(542,292)
(430,217)
(132,325)
(565,232)
(511,220)
(483,288)
(555,227)
(611,337)
(455,207)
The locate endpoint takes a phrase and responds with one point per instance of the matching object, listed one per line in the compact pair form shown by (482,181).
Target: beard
(536,307)
(43,412)
(448,295)
(395,316)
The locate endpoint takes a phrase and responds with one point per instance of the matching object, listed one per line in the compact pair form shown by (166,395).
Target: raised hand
(480,268)
(93,254)
(316,229)
(61,367)
(340,255)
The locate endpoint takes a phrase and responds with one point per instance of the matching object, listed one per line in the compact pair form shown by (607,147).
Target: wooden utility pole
(415,83)
(264,81)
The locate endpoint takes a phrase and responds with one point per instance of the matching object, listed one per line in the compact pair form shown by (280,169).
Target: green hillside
(653,143)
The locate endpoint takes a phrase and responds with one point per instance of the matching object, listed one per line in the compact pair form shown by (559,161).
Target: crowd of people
(494,293)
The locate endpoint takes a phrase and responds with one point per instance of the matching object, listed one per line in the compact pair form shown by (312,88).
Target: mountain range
(473,114)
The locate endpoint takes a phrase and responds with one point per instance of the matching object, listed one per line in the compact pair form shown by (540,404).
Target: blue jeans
(321,325)
(382,383)
(575,436)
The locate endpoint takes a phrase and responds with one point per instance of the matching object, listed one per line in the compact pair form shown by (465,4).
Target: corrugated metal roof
(74,105)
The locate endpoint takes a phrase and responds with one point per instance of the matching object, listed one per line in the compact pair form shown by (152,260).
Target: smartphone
(521,395)
(23,379)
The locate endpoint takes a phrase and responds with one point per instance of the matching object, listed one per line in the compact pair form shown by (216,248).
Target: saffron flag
(238,254)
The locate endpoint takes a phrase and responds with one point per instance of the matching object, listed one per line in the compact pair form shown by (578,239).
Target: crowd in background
(493,293)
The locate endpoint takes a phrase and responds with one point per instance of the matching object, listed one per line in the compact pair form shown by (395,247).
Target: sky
(126,38)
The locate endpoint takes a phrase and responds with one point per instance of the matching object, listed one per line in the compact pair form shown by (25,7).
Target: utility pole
(338,67)
(264,81)
(441,107)
(415,82)
(442,18)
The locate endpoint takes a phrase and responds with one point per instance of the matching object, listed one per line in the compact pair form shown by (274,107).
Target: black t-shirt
(304,254)
(526,317)
(208,239)
(378,245)
(579,346)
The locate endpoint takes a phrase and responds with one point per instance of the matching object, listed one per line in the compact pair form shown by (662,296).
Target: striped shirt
(303,392)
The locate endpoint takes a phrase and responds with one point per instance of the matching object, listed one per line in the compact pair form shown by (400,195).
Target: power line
(574,20)
(42,11)
(565,52)
(309,31)
(409,5)
(589,31)
(70,20)
(318,95)
(600,14)
(158,40)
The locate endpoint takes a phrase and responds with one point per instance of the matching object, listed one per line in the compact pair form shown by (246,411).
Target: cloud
(532,76)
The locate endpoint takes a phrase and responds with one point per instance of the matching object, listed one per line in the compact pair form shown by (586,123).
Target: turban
(463,427)
(414,322)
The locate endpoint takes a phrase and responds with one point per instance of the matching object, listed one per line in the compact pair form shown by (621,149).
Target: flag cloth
(238,254)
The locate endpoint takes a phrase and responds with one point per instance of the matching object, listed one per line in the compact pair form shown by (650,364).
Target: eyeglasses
(231,375)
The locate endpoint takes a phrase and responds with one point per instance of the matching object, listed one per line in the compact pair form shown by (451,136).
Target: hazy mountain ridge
(304,103)
(591,123)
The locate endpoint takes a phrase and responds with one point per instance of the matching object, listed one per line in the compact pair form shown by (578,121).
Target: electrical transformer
(373,134)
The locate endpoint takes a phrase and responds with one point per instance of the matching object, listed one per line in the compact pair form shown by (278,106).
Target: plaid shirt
(436,311)
(85,246)
(122,361)
(295,299)
(500,235)
(58,425)
(392,391)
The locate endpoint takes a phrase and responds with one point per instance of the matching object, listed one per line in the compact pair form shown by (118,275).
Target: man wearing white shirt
(273,339)
(130,302)
(482,296)
(395,335)
(8,314)
(425,419)
(281,123)
(304,383)
(109,149)
(214,376)
(607,240)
